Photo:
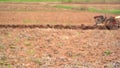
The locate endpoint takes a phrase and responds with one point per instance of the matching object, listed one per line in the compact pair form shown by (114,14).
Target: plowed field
(48,47)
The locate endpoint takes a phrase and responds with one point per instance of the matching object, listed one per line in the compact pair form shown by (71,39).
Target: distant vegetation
(112,11)
(65,7)
(88,1)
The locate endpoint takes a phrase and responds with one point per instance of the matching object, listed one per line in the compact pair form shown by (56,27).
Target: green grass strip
(113,11)
(64,7)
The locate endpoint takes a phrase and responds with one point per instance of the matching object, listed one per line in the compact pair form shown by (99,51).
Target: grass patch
(90,9)
(37,61)
(9,66)
(3,60)
(17,39)
(4,63)
(2,46)
(114,11)
(7,33)
(30,21)
(64,7)
(107,52)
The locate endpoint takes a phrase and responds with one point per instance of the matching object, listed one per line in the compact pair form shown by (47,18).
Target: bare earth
(42,13)
(54,48)
(62,17)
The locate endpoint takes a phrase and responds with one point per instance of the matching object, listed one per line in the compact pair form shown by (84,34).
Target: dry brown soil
(42,13)
(54,48)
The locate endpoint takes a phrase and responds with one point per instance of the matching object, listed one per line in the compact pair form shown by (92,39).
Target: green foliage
(2,46)
(30,21)
(7,33)
(4,63)
(3,60)
(37,60)
(65,7)
(9,66)
(107,52)
(115,11)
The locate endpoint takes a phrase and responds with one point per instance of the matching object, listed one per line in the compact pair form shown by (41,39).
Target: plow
(108,22)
